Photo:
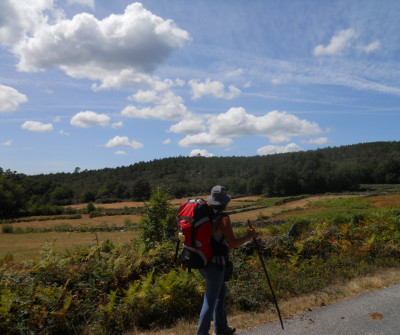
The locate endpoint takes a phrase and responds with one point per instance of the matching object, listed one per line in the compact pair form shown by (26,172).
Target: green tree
(141,190)
(88,196)
(61,196)
(12,197)
(159,219)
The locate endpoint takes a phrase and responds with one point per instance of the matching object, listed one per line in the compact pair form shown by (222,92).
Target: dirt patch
(385,201)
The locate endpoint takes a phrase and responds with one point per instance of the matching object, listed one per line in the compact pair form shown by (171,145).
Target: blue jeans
(214,299)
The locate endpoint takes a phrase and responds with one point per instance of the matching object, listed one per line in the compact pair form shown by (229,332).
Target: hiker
(214,272)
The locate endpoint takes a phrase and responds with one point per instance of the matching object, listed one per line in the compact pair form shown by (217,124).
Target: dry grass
(86,221)
(25,246)
(284,210)
(293,306)
(385,201)
(116,205)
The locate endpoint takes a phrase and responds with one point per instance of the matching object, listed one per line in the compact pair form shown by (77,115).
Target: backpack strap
(221,250)
(217,217)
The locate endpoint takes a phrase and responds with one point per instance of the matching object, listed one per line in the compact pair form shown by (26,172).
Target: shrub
(159,219)
(7,229)
(90,207)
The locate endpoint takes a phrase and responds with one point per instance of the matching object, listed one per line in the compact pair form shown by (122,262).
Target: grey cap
(218,196)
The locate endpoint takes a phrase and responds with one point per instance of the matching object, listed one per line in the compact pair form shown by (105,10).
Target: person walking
(215,271)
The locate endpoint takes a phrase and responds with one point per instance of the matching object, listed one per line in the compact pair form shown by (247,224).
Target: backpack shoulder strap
(217,217)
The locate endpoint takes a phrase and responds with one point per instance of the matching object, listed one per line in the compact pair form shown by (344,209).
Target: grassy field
(349,245)
(23,246)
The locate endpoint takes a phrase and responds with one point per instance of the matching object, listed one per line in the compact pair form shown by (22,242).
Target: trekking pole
(258,247)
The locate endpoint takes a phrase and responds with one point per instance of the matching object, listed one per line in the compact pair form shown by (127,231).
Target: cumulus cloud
(145,96)
(89,119)
(277,126)
(123,141)
(201,152)
(10,98)
(17,18)
(120,153)
(338,43)
(37,126)
(116,125)
(153,95)
(204,140)
(320,140)
(7,143)
(214,88)
(62,132)
(190,124)
(118,50)
(277,149)
(167,141)
(168,106)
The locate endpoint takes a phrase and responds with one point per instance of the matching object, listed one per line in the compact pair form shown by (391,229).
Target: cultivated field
(26,245)
(348,245)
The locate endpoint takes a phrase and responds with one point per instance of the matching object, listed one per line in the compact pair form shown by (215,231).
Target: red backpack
(195,232)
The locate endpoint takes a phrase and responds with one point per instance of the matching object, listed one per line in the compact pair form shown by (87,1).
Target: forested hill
(330,169)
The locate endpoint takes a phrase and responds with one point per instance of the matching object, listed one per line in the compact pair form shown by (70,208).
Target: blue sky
(98,83)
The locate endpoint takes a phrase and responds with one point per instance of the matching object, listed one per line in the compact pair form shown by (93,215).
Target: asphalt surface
(374,313)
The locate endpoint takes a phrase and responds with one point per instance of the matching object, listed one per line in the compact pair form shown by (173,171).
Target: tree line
(332,169)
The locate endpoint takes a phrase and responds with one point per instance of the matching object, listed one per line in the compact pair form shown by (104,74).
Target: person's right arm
(231,239)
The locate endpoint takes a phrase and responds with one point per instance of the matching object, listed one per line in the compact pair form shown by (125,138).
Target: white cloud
(153,95)
(338,43)
(123,141)
(10,98)
(168,107)
(201,152)
(277,126)
(190,124)
(145,96)
(370,47)
(167,141)
(88,3)
(62,132)
(17,18)
(320,140)
(120,153)
(89,119)
(204,140)
(214,88)
(276,149)
(116,125)
(7,143)
(37,126)
(118,50)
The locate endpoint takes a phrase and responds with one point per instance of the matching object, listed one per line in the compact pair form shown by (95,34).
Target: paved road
(375,313)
